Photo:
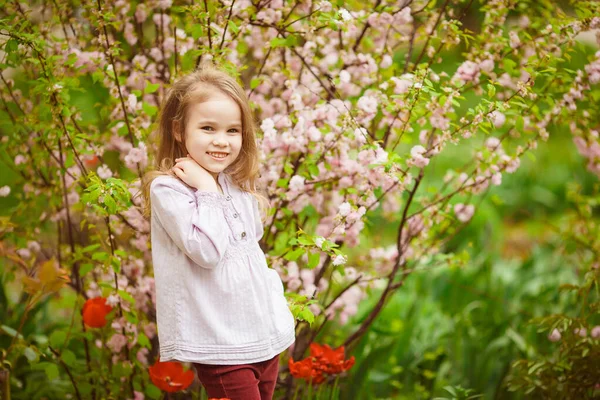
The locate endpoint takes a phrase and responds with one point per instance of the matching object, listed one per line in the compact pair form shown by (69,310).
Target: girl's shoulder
(169,182)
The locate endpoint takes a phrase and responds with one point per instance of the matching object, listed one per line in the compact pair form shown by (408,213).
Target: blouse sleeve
(193,221)
(258,225)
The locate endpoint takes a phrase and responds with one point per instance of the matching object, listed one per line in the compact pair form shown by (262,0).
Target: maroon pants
(240,382)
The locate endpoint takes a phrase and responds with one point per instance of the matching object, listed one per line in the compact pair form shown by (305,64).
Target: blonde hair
(190,89)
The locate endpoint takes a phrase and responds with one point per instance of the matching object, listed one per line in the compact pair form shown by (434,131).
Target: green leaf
(85,269)
(143,340)
(314,170)
(11,46)
(31,354)
(10,331)
(153,392)
(234,28)
(307,315)
(313,260)
(131,317)
(294,255)
(51,371)
(116,264)
(149,109)
(90,248)
(278,42)
(151,87)
(126,296)
(84,388)
(57,339)
(110,204)
(68,357)
(100,256)
(254,83)
(283,182)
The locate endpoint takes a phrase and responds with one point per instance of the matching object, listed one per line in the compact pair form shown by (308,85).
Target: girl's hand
(193,174)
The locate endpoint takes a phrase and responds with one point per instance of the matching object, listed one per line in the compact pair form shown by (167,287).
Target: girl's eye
(207,128)
(233,130)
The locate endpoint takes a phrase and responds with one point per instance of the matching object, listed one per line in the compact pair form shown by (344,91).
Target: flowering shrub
(360,108)
(569,369)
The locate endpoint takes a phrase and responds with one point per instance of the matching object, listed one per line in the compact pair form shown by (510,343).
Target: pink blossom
(368,104)
(137,155)
(19,159)
(514,39)
(24,253)
(4,191)
(339,260)
(386,18)
(345,15)
(297,183)
(496,179)
(492,143)
(439,121)
(403,17)
(467,72)
(418,159)
(464,212)
(139,395)
(595,333)
(498,118)
(344,76)
(164,4)
(319,241)
(487,65)
(113,300)
(104,172)
(150,329)
(34,246)
(593,70)
(554,336)
(580,331)
(344,209)
(324,6)
(141,13)
(403,83)
(294,283)
(117,342)
(129,34)
(166,20)
(132,101)
(142,355)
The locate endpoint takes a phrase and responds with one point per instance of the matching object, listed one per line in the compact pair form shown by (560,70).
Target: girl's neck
(216,178)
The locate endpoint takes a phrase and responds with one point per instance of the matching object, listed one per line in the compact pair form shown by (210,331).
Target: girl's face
(213,132)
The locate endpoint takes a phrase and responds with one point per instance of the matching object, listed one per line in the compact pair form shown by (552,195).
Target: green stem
(335,386)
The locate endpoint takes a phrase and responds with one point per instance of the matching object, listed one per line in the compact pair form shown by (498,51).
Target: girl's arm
(195,222)
(258,225)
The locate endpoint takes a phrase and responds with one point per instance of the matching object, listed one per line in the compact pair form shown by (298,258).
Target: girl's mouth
(217,155)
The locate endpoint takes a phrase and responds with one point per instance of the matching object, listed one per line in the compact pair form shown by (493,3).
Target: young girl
(219,306)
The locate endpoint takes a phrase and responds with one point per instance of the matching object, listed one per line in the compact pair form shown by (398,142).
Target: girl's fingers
(179,172)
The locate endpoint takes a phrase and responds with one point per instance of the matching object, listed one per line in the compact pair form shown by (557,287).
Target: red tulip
(323,360)
(170,376)
(91,160)
(95,311)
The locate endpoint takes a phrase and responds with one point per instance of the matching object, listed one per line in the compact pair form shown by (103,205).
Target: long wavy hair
(198,86)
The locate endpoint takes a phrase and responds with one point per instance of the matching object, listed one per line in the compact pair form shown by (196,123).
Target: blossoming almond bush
(363,108)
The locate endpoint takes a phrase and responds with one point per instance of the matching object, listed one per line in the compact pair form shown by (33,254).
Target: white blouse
(217,301)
